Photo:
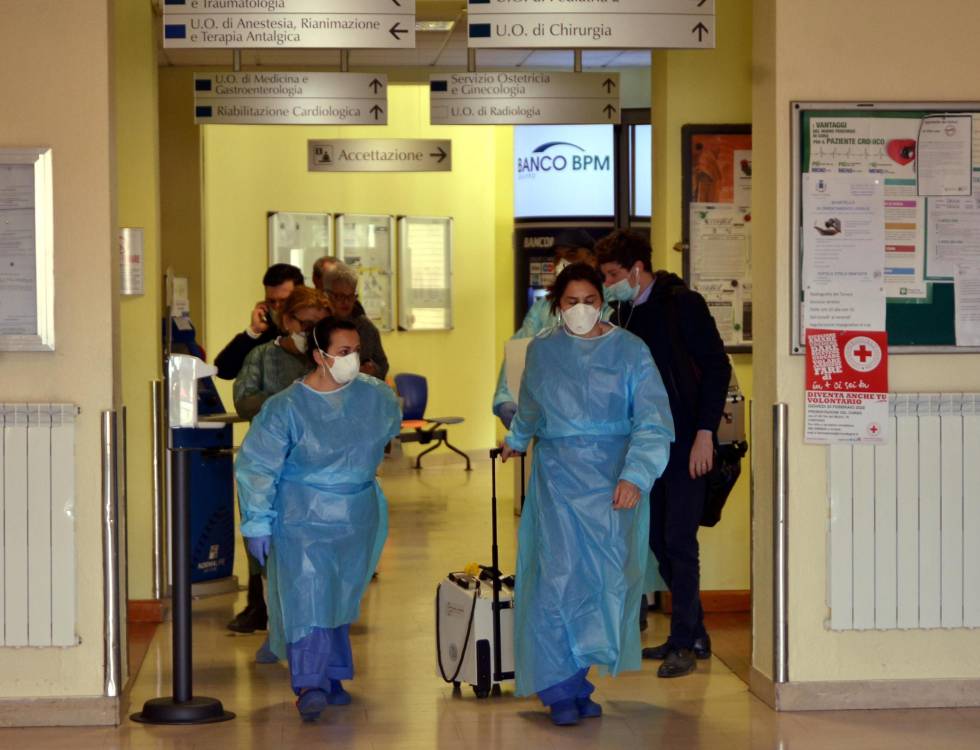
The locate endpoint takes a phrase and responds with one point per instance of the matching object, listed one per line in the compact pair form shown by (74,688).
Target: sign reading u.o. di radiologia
(338,24)
(596,24)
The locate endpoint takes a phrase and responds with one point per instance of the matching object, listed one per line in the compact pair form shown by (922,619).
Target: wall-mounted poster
(367,244)
(300,239)
(425,290)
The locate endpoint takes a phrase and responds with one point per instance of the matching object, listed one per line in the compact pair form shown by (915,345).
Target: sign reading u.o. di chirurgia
(242,24)
(596,24)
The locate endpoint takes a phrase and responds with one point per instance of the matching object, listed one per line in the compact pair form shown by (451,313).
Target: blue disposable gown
(600,414)
(306,476)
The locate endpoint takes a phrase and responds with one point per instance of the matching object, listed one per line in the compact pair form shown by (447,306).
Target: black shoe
(243,616)
(644,608)
(679,662)
(250,620)
(657,653)
(702,647)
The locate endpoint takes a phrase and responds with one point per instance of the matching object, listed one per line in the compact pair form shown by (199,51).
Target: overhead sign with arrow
(380,155)
(524,98)
(591,24)
(289,24)
(271,98)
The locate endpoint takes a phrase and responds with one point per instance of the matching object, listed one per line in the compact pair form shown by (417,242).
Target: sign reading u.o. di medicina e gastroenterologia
(337,24)
(595,24)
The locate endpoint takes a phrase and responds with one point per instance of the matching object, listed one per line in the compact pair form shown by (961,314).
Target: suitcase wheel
(481,694)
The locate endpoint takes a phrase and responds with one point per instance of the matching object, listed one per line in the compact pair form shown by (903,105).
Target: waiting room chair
(416,428)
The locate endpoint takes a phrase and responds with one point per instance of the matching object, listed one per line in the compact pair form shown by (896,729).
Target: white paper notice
(721,264)
(945,155)
(723,302)
(954,234)
(967,292)
(18,264)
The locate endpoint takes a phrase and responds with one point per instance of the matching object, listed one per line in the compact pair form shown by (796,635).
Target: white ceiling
(433,50)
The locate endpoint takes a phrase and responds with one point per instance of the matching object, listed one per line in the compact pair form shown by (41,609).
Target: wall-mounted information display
(425,288)
(524,98)
(367,244)
(372,155)
(283,24)
(886,233)
(592,24)
(300,239)
(274,98)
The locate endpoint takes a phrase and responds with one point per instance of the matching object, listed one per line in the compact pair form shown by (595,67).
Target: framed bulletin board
(26,250)
(300,239)
(716,219)
(367,244)
(917,246)
(425,267)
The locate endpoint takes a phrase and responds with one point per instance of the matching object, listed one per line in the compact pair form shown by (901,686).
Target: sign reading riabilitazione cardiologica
(270,98)
(284,24)
(592,24)
(524,98)
(374,155)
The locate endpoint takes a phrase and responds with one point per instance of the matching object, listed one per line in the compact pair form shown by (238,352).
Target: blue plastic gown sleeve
(537,319)
(259,468)
(525,424)
(652,426)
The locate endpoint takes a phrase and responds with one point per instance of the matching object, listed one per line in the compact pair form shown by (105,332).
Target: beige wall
(840,50)
(704,87)
(55,79)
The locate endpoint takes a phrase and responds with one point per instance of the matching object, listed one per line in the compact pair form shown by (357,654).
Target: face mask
(299,341)
(623,290)
(581,318)
(345,369)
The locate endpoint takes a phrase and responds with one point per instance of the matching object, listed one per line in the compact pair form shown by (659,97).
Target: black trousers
(676,504)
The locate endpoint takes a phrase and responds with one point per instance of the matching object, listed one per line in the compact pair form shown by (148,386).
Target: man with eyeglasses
(340,284)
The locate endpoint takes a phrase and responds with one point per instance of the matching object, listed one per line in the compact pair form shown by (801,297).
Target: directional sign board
(524,98)
(371,155)
(591,24)
(284,24)
(269,98)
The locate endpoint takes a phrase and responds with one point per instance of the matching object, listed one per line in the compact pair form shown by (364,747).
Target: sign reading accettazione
(374,155)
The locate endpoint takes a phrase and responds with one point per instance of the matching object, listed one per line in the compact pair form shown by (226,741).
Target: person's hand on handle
(260,323)
(506,451)
(702,454)
(626,496)
(258,547)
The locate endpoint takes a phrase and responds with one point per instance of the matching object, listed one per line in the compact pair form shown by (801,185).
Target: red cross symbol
(864,353)
(874,429)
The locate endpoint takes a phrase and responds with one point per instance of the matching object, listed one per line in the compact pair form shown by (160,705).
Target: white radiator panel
(904,537)
(37,499)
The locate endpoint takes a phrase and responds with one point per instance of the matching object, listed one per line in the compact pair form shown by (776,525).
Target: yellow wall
(704,87)
(250,170)
(137,179)
(56,89)
(839,50)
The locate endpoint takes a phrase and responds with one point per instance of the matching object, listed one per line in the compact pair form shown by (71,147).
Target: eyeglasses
(342,297)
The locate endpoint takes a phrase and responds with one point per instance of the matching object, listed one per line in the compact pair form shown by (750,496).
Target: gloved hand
(506,411)
(258,547)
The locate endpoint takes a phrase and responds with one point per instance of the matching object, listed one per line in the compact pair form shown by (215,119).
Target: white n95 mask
(345,369)
(299,341)
(581,318)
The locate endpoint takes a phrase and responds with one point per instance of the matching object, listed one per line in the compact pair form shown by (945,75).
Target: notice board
(367,244)
(931,242)
(425,264)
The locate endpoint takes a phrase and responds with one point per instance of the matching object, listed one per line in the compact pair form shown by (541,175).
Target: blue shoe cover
(564,713)
(588,708)
(311,704)
(264,655)
(337,695)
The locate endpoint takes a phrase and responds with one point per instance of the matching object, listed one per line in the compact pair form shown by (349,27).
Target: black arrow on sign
(400,5)
(610,84)
(376,111)
(699,4)
(610,110)
(396,30)
(700,30)
(376,84)
(441,155)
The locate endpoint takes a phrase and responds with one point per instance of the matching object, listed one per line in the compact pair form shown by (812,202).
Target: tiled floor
(439,521)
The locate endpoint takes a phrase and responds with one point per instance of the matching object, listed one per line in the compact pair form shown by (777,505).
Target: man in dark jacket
(279,281)
(676,324)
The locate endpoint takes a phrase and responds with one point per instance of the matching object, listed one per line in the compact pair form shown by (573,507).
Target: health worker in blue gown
(594,400)
(312,507)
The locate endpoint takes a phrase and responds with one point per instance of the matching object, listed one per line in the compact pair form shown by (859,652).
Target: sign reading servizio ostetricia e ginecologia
(274,98)
(243,24)
(380,155)
(595,24)
(524,98)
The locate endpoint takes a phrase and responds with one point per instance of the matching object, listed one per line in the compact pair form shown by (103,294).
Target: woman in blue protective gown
(594,400)
(312,507)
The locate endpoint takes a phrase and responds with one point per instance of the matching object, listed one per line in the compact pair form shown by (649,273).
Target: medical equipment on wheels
(475,619)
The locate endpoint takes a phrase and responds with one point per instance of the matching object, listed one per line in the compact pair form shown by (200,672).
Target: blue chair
(414,393)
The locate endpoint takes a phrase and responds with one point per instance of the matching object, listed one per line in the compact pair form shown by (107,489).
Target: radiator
(37,526)
(904,539)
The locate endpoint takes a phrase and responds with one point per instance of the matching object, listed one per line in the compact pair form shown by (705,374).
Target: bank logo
(561,157)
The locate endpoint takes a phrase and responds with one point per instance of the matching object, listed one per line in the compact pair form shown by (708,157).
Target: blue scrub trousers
(574,687)
(323,655)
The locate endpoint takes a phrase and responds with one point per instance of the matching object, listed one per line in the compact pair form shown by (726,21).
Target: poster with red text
(846,387)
